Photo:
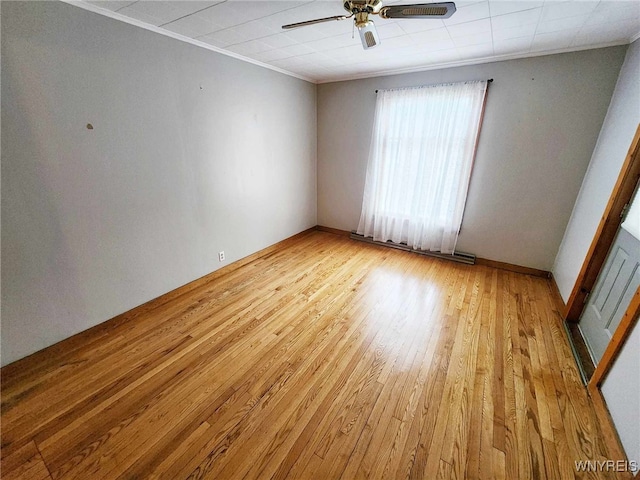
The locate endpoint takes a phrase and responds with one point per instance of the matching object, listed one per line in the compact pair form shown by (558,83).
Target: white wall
(621,390)
(608,156)
(541,123)
(192,152)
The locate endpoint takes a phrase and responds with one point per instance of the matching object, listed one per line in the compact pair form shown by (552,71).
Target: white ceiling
(480,31)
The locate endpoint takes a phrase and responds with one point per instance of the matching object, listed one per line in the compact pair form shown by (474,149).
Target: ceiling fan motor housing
(362,6)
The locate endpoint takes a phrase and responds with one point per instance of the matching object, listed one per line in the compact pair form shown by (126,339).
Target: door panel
(614,288)
(610,273)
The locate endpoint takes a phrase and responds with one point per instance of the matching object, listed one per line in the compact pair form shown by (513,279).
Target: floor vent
(459,257)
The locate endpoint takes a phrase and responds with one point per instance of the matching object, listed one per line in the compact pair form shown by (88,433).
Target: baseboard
(512,268)
(557,298)
(335,231)
(70,344)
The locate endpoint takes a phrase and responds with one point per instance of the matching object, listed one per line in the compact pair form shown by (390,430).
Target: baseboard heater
(459,257)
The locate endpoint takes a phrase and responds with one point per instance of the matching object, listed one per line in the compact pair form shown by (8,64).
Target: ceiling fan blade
(313,22)
(420,10)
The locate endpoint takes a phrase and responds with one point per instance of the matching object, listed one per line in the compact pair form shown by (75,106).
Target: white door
(616,284)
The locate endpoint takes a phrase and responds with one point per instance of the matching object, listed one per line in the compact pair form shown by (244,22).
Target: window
(420,161)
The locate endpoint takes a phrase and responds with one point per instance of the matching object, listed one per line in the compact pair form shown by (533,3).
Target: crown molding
(465,63)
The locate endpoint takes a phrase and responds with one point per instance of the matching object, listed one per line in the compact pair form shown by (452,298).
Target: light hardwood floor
(327,359)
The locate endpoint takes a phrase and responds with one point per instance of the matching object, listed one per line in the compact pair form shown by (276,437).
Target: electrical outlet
(221,256)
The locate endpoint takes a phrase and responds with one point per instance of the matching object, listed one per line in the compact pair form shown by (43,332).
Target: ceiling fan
(361,9)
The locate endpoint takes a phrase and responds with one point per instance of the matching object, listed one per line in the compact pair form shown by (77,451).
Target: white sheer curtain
(420,163)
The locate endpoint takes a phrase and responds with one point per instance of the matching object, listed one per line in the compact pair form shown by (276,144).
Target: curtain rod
(488,81)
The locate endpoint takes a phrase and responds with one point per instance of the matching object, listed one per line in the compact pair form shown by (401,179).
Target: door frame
(629,320)
(621,196)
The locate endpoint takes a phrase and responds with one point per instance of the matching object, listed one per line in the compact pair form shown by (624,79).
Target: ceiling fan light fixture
(368,35)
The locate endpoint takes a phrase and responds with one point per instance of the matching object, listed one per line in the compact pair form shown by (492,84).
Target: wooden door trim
(620,196)
(628,321)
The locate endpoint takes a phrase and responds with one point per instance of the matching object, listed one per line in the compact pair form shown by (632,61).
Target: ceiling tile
(238,12)
(558,10)
(418,25)
(223,14)
(469,28)
(514,20)
(561,24)
(136,14)
(223,37)
(483,50)
(389,30)
(606,33)
(475,39)
(279,40)
(434,46)
(249,48)
(512,46)
(288,63)
(395,42)
(163,12)
(462,3)
(330,43)
(410,49)
(113,5)
(348,52)
(502,7)
(431,35)
(553,41)
(253,30)
(476,11)
(317,58)
(214,42)
(191,26)
(270,55)
(442,56)
(298,49)
(514,32)
(620,11)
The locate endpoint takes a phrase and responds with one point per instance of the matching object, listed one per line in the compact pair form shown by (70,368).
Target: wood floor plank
(333,422)
(509,322)
(25,464)
(356,337)
(366,449)
(323,358)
